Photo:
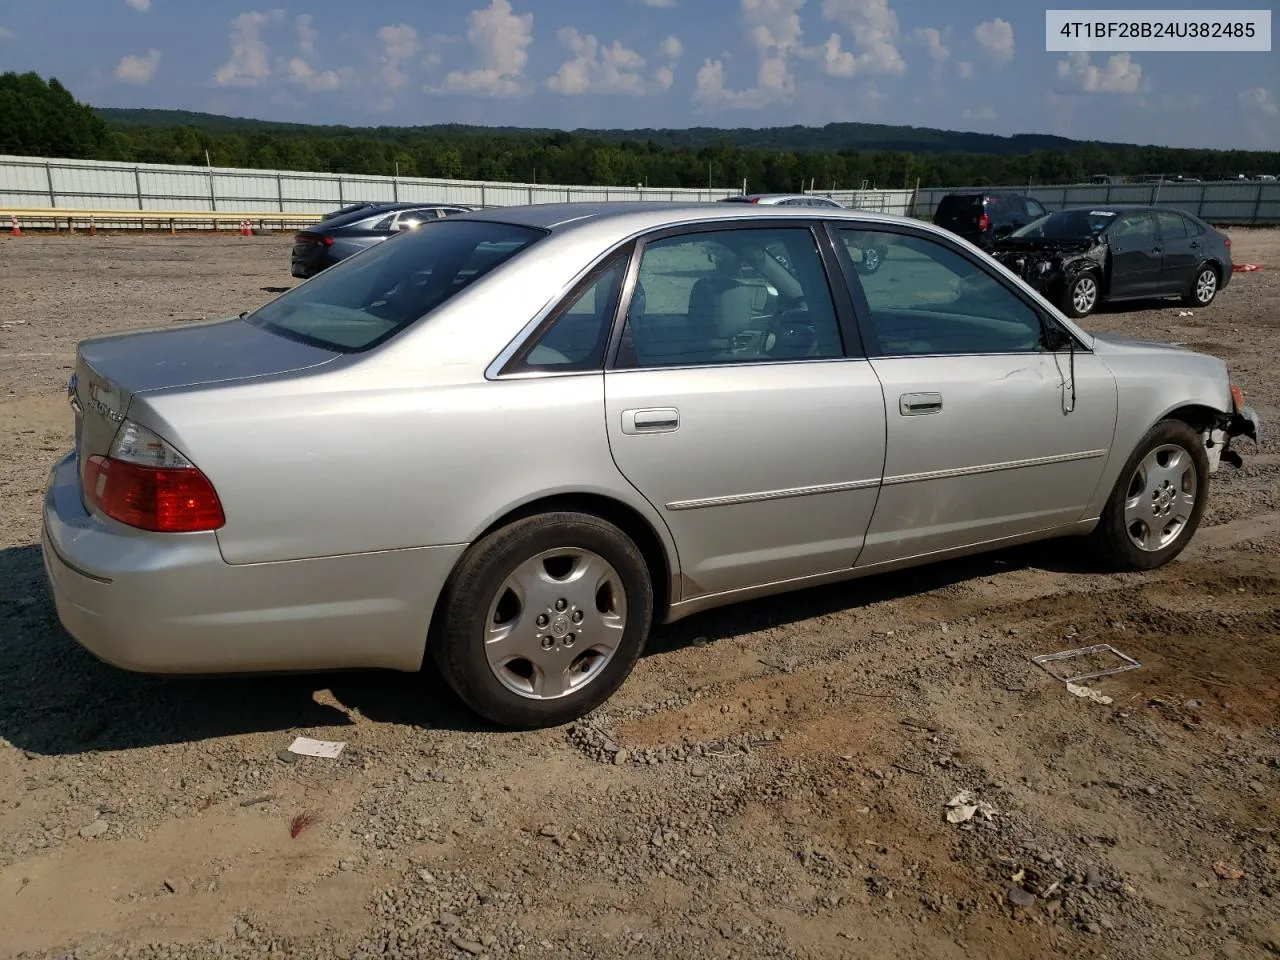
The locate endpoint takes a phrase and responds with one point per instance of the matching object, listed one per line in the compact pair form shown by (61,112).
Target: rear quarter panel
(331,465)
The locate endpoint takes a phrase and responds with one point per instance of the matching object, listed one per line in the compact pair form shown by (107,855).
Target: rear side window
(369,298)
(1172,226)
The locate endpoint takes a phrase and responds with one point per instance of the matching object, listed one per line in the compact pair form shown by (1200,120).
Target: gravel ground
(771,782)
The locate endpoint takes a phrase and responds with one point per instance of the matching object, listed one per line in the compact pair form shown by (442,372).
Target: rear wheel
(1081,296)
(544,619)
(1203,288)
(1158,500)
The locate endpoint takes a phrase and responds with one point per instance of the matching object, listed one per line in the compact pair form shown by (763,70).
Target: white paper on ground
(307,747)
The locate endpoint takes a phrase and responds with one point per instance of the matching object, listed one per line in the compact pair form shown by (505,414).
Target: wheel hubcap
(1161,497)
(555,623)
(1085,295)
(870,259)
(1206,286)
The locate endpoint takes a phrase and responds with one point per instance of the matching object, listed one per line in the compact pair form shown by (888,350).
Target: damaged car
(1084,257)
(511,442)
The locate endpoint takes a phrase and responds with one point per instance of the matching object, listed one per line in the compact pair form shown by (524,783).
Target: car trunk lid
(111,370)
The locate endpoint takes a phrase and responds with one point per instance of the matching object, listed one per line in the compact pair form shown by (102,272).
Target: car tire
(872,260)
(1204,286)
(1150,501)
(571,591)
(1082,294)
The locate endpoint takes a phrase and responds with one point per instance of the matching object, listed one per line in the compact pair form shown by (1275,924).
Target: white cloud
(250,61)
(996,38)
(597,69)
(965,69)
(774,30)
(305,77)
(931,38)
(138,70)
(981,113)
(661,4)
(873,27)
(307,33)
(142,6)
(672,48)
(1120,75)
(1260,100)
(399,43)
(502,39)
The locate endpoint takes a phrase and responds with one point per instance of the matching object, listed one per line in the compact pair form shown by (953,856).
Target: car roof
(641,215)
(1123,208)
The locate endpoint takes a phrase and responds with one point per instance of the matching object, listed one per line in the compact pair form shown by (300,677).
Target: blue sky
(632,63)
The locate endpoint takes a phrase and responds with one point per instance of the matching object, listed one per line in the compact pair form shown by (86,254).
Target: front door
(733,407)
(990,435)
(1135,256)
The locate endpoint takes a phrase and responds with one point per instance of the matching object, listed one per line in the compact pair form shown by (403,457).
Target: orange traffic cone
(14,226)
(93,227)
(246,229)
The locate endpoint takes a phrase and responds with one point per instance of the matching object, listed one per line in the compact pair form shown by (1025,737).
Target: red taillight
(1227,241)
(327,241)
(984,223)
(161,499)
(755,199)
(313,238)
(146,483)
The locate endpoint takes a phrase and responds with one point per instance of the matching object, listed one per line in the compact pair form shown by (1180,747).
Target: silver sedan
(512,440)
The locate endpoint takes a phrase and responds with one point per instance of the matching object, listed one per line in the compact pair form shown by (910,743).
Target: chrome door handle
(918,404)
(651,420)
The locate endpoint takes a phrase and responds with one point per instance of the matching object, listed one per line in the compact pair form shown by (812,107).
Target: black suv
(984,216)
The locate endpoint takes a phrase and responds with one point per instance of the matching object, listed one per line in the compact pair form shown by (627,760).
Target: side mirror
(1055,338)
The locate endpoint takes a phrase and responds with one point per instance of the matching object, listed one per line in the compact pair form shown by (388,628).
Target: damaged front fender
(1241,422)
(1051,268)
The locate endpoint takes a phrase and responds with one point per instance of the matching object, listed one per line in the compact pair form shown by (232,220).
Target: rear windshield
(960,206)
(372,296)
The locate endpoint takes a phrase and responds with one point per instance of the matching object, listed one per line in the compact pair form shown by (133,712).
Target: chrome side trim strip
(993,467)
(772,495)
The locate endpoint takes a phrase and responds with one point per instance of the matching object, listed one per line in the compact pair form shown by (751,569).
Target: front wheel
(1157,501)
(1081,296)
(1204,288)
(544,619)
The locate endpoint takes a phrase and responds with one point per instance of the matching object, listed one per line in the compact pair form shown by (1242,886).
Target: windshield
(1068,225)
(373,295)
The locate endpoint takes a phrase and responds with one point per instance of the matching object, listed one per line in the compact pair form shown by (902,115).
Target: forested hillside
(40,118)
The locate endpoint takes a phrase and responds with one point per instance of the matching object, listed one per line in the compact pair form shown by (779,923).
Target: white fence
(28,183)
(37,183)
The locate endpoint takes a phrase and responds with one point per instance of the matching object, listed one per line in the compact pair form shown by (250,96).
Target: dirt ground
(771,782)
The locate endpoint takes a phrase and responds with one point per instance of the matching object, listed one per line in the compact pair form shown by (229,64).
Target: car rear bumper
(169,603)
(305,269)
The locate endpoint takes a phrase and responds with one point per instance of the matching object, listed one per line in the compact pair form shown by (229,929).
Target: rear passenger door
(739,404)
(991,435)
(1180,256)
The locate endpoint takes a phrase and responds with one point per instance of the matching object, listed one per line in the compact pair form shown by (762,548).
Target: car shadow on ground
(60,700)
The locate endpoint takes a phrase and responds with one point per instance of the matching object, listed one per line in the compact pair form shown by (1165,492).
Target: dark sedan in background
(359,228)
(1082,257)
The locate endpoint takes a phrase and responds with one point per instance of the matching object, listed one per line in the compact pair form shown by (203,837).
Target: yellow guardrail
(172,219)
